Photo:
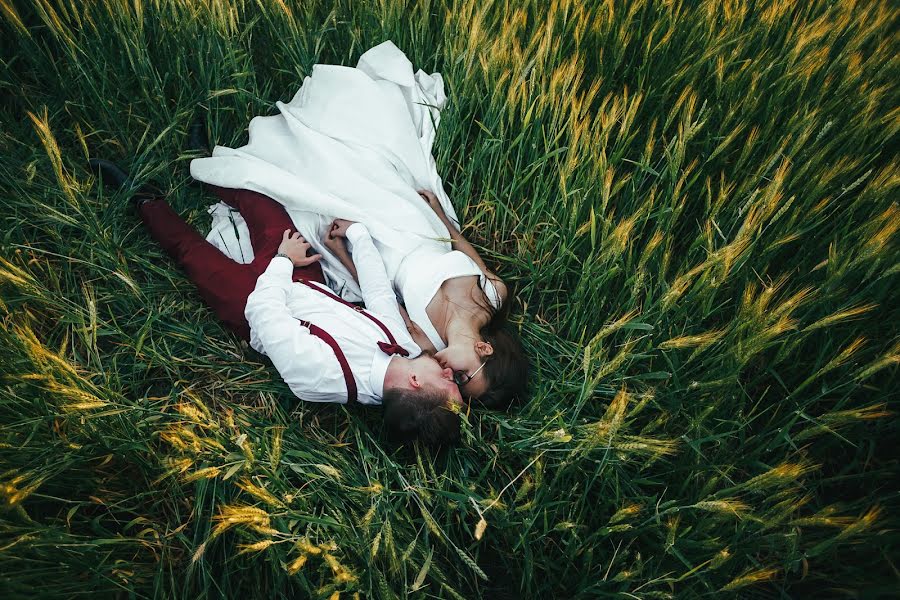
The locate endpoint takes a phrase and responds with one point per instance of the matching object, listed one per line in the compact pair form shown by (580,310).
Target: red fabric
(223,283)
(391,349)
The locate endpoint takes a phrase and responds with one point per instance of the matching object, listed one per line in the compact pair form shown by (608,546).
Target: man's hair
(424,414)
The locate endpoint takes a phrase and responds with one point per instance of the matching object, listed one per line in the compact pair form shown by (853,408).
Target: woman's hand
(338,245)
(335,243)
(339,228)
(416,332)
(432,201)
(296,248)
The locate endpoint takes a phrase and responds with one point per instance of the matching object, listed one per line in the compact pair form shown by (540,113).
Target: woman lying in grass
(456,309)
(355,144)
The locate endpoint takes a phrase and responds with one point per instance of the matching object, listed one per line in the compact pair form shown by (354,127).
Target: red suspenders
(339,354)
(392,348)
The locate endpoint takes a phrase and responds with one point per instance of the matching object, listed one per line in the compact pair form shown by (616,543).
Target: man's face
(429,373)
(466,361)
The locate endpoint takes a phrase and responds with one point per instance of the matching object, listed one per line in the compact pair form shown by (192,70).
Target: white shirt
(306,363)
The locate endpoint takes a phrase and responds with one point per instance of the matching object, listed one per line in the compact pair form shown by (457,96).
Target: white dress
(420,276)
(353,143)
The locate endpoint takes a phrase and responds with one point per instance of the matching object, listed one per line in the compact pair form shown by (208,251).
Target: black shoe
(198,141)
(114,176)
(111,174)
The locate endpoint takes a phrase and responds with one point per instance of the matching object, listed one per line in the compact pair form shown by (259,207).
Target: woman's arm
(417,334)
(460,243)
(339,247)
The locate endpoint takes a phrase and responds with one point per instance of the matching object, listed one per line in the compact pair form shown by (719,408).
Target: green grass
(697,205)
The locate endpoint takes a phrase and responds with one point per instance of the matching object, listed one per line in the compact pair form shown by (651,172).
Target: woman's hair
(422,414)
(507,368)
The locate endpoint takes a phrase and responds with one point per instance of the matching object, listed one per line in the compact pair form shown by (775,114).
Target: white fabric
(353,143)
(306,363)
(229,233)
(420,277)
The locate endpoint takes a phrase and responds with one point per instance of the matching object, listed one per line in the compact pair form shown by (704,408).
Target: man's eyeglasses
(461,378)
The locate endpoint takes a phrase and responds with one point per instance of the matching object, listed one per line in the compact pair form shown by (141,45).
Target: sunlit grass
(697,206)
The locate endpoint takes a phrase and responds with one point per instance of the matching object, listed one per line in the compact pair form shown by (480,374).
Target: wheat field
(697,206)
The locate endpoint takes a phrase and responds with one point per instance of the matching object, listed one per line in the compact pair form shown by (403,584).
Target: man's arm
(301,358)
(337,245)
(377,292)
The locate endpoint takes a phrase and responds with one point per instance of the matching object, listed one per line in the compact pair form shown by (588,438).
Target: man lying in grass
(325,348)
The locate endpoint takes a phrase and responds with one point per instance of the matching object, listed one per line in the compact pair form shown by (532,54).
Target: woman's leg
(266,219)
(223,283)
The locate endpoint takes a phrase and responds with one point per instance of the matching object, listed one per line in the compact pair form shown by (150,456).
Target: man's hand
(432,201)
(338,228)
(296,247)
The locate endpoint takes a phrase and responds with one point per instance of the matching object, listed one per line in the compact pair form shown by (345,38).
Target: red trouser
(223,283)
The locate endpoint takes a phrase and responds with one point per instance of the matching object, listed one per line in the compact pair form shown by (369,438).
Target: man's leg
(223,283)
(266,219)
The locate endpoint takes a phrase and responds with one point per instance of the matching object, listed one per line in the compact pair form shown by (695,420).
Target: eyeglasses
(461,378)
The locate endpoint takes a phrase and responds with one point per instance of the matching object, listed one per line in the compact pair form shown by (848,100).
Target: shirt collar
(380,363)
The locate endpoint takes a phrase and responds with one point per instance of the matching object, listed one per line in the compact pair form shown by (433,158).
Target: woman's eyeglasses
(461,378)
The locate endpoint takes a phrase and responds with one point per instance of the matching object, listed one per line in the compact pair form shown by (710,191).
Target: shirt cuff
(281,266)
(356,232)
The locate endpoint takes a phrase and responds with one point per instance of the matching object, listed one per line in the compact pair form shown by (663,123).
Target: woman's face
(466,360)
